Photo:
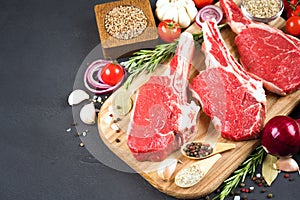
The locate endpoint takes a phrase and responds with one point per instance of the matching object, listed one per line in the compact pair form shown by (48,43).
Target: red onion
(281,136)
(94,85)
(208,12)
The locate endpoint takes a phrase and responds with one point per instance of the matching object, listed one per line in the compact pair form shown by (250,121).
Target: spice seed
(270,195)
(263,190)
(286,176)
(262,8)
(68,130)
(81,144)
(74,124)
(125,22)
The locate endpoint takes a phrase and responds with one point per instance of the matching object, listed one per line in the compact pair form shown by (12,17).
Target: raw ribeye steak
(162,119)
(265,52)
(232,98)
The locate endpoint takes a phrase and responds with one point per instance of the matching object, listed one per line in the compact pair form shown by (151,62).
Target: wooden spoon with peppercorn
(197,150)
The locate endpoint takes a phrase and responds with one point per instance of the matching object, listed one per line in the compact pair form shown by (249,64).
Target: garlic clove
(160,3)
(77,96)
(287,164)
(88,113)
(191,11)
(161,11)
(183,17)
(167,168)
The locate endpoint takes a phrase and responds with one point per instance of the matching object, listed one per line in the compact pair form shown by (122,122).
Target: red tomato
(295,12)
(112,73)
(293,25)
(168,30)
(288,4)
(202,3)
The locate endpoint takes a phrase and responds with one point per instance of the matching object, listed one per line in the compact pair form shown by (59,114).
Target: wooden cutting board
(117,141)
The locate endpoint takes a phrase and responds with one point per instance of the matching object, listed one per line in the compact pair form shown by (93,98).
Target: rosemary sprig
(247,167)
(148,60)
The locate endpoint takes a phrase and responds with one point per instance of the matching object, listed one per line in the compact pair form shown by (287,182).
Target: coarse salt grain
(108,119)
(237,198)
(115,127)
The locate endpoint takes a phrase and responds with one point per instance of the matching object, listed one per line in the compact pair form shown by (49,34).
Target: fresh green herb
(148,60)
(239,175)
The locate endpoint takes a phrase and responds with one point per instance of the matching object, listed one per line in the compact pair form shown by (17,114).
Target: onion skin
(97,86)
(281,136)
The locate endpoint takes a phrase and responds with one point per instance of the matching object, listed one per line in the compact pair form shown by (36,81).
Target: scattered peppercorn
(263,190)
(286,176)
(242,185)
(74,124)
(118,140)
(270,195)
(81,144)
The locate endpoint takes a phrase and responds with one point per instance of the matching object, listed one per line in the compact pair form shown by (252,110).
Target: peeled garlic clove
(287,164)
(77,96)
(167,168)
(88,113)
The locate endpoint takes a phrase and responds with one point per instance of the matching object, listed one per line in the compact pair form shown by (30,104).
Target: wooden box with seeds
(125,26)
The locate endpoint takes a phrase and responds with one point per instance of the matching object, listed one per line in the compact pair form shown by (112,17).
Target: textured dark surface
(43,43)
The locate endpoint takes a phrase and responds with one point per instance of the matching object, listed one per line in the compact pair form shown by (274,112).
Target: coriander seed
(125,22)
(262,8)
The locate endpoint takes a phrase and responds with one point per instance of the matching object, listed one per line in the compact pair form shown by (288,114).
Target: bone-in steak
(232,98)
(162,119)
(265,52)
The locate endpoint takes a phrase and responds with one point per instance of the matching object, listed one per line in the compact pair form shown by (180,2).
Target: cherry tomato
(293,25)
(288,4)
(295,12)
(202,3)
(168,30)
(111,74)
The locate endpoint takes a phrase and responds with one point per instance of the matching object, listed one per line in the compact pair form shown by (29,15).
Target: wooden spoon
(192,174)
(218,148)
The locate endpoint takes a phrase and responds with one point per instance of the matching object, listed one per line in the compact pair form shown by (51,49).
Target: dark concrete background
(43,43)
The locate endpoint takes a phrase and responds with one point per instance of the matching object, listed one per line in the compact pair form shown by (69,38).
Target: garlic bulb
(88,113)
(77,96)
(167,168)
(181,11)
